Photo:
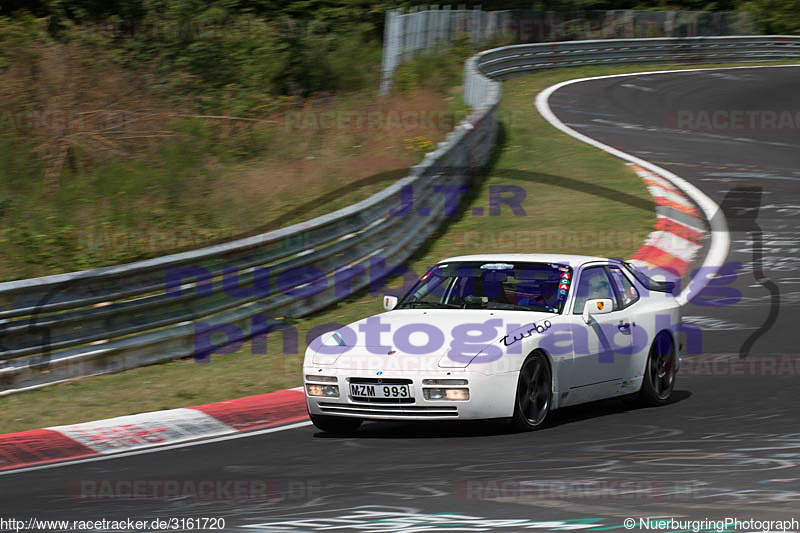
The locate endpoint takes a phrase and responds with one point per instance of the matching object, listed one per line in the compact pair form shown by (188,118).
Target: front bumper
(490,396)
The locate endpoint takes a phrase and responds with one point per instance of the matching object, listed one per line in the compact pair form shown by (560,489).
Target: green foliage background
(289,48)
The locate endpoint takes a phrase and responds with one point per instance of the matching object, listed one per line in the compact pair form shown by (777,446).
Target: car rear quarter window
(625,289)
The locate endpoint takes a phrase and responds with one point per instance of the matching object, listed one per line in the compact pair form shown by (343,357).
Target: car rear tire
(336,424)
(659,374)
(534,394)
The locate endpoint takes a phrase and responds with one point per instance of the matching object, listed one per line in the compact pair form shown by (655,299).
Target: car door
(602,347)
(629,301)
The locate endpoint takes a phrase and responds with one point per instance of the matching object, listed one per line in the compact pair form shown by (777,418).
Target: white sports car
(499,336)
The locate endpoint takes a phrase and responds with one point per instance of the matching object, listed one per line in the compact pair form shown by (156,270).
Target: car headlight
(459,394)
(328,391)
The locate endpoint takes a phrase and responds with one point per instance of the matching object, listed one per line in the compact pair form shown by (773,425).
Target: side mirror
(390,302)
(598,306)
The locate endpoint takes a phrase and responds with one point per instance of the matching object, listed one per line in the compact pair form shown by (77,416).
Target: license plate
(379,391)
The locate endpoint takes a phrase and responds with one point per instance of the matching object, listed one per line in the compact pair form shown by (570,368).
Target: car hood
(419,339)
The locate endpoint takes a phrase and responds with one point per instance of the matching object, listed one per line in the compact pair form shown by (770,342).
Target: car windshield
(492,285)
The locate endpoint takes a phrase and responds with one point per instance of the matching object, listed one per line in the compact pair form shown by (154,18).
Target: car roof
(572,260)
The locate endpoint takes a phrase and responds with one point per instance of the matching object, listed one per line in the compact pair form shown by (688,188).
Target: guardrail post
(475,24)
(447,24)
(391,48)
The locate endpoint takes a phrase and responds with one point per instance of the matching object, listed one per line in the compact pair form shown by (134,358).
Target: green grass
(528,144)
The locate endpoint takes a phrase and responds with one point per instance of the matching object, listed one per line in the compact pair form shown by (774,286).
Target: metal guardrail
(110,319)
(505,62)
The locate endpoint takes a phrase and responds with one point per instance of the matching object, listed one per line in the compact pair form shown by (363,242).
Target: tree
(776,17)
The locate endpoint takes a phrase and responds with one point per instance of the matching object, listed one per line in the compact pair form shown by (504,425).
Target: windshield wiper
(503,305)
(431,304)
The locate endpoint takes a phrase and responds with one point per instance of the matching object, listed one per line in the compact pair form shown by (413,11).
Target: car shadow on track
(602,408)
(488,428)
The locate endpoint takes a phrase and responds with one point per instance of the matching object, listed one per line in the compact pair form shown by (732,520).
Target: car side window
(625,289)
(594,283)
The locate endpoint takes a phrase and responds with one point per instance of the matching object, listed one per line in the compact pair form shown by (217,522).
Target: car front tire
(534,394)
(340,425)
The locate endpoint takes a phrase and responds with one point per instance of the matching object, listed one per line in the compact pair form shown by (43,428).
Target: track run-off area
(727,446)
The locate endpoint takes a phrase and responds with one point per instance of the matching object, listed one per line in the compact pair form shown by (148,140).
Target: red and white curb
(148,430)
(679,231)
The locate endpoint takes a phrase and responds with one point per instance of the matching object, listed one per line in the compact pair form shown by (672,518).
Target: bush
(438,69)
(18,34)
(240,63)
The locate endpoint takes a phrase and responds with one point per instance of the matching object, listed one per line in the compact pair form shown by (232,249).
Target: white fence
(423,29)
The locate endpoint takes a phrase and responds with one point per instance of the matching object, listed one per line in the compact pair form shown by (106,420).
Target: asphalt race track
(727,446)
(634,114)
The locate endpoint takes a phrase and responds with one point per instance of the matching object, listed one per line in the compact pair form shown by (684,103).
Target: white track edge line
(720,236)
